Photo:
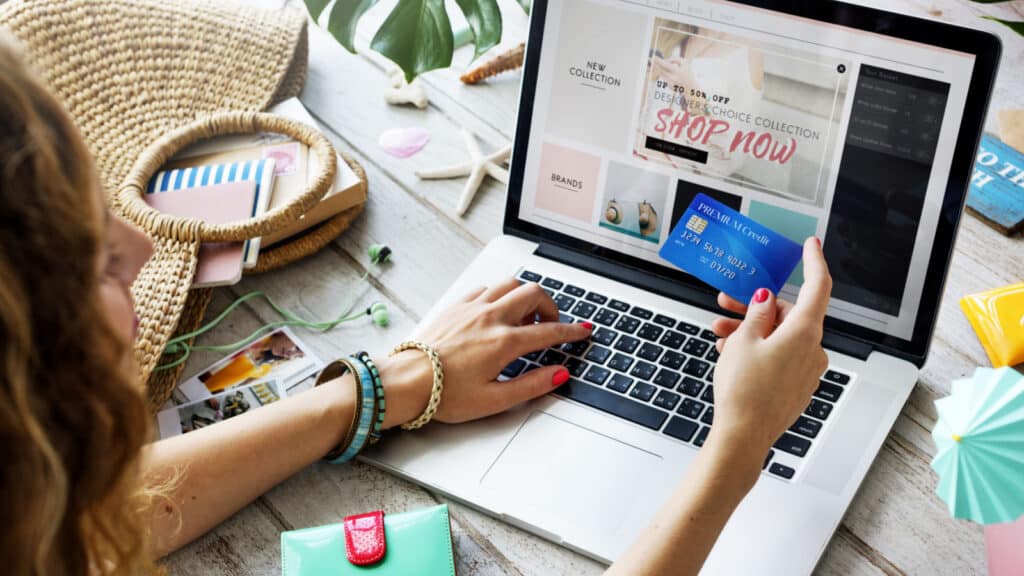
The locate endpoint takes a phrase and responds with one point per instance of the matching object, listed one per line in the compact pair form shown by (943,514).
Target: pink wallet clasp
(364,538)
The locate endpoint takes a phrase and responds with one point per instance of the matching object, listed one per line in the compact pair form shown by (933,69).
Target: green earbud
(379,312)
(379,253)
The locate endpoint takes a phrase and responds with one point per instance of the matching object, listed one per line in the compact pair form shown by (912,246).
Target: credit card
(730,251)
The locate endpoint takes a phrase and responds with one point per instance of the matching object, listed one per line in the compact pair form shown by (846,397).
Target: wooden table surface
(895,525)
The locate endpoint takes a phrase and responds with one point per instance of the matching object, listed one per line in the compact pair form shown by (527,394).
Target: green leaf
(484,19)
(316,7)
(417,36)
(525,5)
(1017,27)
(344,18)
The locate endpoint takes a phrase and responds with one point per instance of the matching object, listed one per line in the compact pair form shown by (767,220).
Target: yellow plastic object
(998,318)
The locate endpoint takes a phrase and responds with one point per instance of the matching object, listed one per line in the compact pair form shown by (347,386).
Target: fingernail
(560,377)
(761,295)
(587,325)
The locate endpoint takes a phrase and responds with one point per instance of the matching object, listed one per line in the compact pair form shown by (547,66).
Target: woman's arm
(214,471)
(770,365)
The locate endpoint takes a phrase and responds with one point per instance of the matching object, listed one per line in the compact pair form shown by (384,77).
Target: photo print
(634,202)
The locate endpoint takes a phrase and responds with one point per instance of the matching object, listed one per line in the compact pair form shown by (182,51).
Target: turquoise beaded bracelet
(378,389)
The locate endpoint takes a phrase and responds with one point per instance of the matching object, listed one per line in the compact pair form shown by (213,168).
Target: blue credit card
(730,251)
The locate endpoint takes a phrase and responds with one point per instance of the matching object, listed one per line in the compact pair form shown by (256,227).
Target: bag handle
(135,209)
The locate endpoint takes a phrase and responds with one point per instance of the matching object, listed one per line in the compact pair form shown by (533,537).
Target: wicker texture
(141,79)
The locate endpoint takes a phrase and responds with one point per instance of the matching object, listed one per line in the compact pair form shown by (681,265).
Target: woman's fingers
(500,289)
(731,304)
(473,294)
(527,300)
(542,335)
(812,301)
(538,382)
(724,327)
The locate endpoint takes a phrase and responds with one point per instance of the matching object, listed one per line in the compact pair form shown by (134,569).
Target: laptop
(813,118)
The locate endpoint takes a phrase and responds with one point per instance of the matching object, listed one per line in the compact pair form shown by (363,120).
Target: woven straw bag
(144,78)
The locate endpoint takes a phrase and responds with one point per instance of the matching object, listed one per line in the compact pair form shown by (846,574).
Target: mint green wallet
(411,543)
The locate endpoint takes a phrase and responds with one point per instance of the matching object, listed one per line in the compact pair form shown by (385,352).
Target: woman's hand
(770,362)
(476,338)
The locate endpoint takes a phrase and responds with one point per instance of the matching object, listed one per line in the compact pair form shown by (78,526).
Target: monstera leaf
(1017,27)
(417,34)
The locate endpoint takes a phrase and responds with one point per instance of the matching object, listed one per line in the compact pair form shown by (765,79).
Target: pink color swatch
(1005,546)
(567,184)
(403,142)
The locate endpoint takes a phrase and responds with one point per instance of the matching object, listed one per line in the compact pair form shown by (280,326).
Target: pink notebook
(220,264)
(1005,544)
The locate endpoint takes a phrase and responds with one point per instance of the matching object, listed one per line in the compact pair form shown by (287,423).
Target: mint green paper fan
(980,441)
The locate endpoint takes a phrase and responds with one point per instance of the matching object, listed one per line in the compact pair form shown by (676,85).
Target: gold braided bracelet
(435,392)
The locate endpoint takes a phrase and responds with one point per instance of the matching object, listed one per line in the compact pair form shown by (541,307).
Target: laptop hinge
(644,280)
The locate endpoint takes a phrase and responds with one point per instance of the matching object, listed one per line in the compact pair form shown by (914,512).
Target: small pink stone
(404,142)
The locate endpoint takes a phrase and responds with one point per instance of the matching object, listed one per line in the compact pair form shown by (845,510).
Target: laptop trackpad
(571,472)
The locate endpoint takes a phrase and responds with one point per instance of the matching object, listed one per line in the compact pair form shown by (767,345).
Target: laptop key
(665,321)
(620,383)
(642,391)
(672,340)
(828,391)
(597,375)
(696,367)
(612,403)
(618,305)
(681,428)
(793,444)
(837,377)
(782,471)
(575,366)
(650,332)
(701,436)
(711,375)
(818,409)
(552,357)
(666,378)
(695,347)
(708,335)
(673,360)
(564,302)
(627,324)
(642,313)
(620,362)
(709,416)
(596,298)
(626,344)
(643,370)
(650,352)
(691,387)
(690,408)
(584,309)
(564,318)
(709,394)
(552,283)
(606,317)
(529,366)
(687,328)
(533,355)
(529,276)
(603,336)
(513,369)
(806,427)
(666,400)
(598,354)
(712,355)
(575,348)
(768,458)
(574,290)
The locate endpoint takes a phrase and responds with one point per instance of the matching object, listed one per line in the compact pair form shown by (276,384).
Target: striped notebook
(259,171)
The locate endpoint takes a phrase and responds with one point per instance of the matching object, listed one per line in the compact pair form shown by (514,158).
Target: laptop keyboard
(656,371)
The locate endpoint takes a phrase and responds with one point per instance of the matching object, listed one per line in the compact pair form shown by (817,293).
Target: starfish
(478,167)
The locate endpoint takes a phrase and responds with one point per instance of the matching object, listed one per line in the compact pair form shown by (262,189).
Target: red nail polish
(818,240)
(761,295)
(587,325)
(560,377)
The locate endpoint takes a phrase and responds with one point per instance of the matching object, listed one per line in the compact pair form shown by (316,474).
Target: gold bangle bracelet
(435,392)
(332,371)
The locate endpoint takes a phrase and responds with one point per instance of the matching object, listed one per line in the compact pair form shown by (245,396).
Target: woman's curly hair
(72,418)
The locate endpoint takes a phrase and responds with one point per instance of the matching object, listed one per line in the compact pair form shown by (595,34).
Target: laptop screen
(810,128)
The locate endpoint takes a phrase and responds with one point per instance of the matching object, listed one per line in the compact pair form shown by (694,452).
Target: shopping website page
(808,128)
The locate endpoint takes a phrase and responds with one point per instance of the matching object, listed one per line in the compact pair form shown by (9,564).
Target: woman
(82,493)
